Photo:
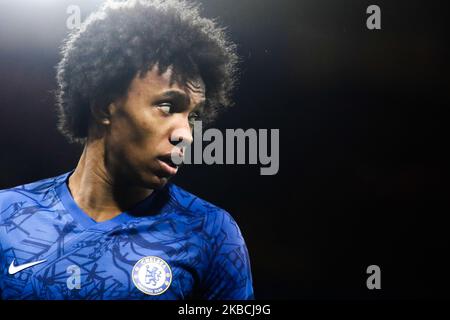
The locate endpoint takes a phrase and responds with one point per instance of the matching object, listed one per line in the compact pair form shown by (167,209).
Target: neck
(96,190)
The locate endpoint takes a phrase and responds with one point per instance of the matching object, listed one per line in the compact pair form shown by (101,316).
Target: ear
(101,112)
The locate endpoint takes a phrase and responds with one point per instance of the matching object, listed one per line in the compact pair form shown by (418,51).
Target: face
(145,126)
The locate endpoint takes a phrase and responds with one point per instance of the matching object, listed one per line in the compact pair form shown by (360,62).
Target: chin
(152,178)
(156,182)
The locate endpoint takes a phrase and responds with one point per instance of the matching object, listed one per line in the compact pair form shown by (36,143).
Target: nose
(181,136)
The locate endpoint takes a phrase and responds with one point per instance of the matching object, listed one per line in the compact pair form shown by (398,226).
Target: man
(130,82)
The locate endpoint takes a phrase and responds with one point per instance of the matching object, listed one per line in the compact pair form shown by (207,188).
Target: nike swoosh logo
(13,269)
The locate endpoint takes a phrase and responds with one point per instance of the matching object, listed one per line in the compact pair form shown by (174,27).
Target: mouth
(167,165)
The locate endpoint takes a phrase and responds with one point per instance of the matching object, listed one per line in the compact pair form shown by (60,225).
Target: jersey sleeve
(229,275)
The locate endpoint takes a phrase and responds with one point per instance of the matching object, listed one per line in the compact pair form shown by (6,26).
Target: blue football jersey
(172,245)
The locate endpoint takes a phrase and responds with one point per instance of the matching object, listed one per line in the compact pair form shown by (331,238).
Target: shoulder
(216,220)
(34,192)
(227,274)
(31,190)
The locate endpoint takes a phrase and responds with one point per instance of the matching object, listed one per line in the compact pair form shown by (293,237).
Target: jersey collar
(63,192)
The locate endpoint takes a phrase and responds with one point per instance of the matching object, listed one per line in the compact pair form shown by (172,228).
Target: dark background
(361,119)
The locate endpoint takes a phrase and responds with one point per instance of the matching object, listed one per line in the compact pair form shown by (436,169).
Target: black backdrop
(361,124)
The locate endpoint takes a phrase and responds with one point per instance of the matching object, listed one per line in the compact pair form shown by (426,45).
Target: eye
(193,117)
(165,107)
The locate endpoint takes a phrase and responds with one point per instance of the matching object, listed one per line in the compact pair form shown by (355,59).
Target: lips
(167,164)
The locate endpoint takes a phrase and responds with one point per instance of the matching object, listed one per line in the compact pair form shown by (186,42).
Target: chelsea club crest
(152,275)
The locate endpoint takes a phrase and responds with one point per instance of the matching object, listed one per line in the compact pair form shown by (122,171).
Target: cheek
(138,136)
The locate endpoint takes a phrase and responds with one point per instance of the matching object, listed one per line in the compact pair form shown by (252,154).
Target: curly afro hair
(126,38)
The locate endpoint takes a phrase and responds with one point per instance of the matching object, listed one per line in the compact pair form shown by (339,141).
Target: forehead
(154,82)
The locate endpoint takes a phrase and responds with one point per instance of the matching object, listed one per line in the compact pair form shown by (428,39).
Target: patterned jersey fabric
(172,245)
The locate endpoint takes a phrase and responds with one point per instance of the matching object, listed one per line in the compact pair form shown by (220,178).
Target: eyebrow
(200,105)
(178,96)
